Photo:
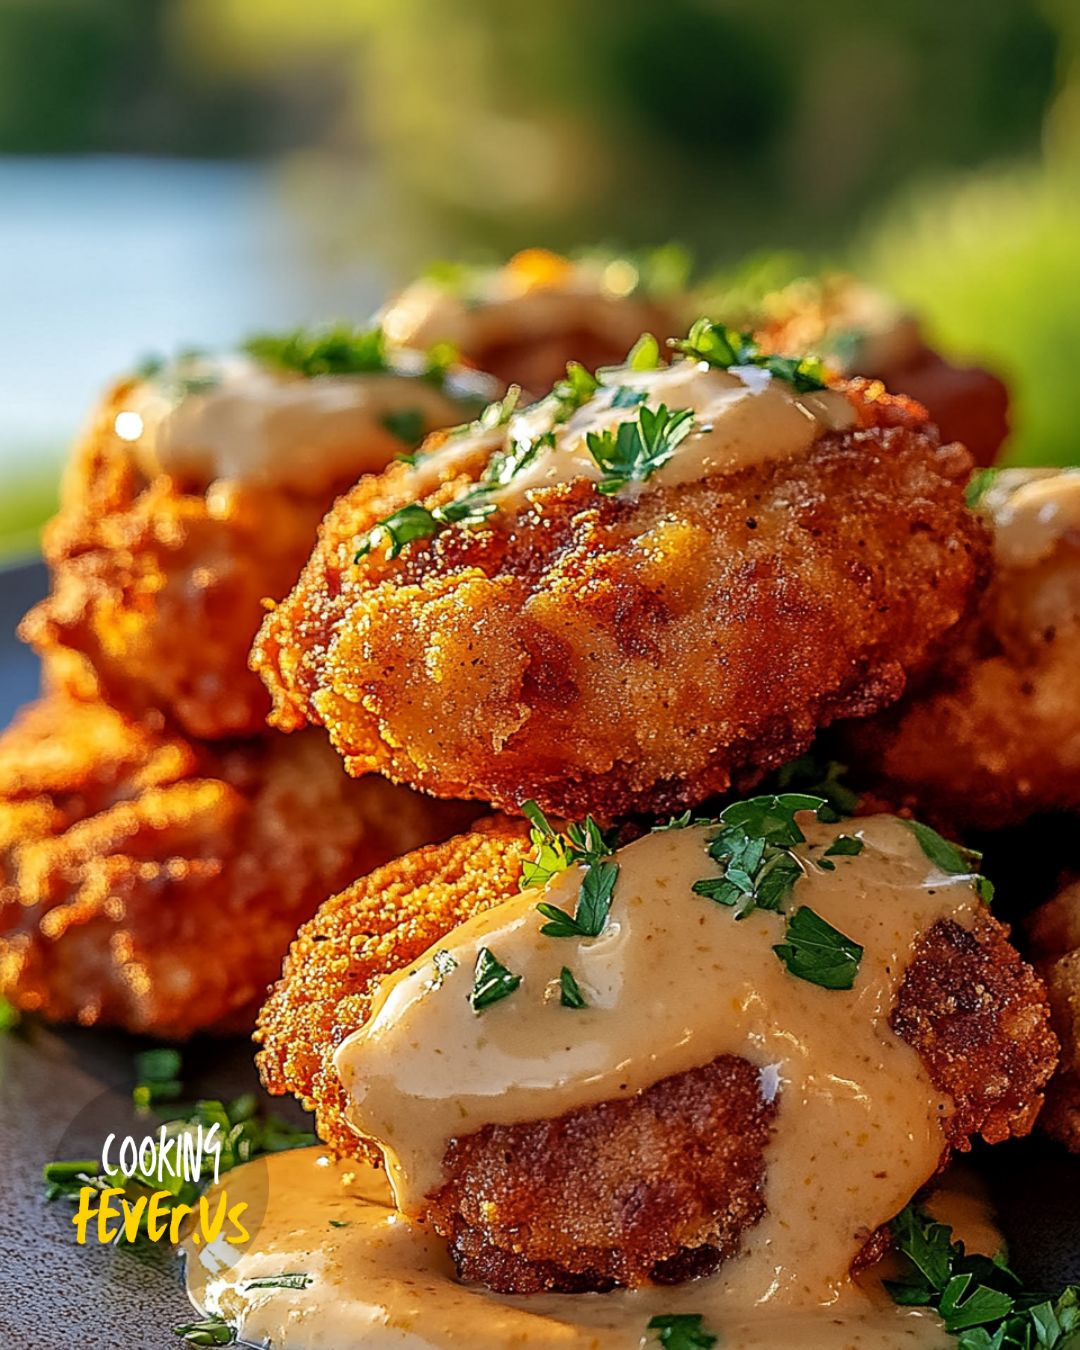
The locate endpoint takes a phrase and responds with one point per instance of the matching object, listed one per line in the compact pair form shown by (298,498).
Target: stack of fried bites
(576,1040)
(159,845)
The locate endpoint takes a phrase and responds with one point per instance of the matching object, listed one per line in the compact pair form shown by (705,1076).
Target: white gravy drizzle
(673,982)
(1032,511)
(378,1282)
(254,424)
(742,417)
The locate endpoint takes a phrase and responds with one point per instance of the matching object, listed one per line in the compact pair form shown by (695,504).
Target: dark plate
(63,1091)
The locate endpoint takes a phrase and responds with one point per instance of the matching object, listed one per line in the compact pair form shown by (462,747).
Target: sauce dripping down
(672,982)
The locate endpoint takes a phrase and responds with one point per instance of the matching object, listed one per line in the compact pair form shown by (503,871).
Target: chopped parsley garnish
(824,778)
(492,981)
(682,1331)
(583,843)
(843,846)
(644,354)
(625,397)
(407,424)
(815,951)
(570,995)
(952,859)
(289,1280)
(979,484)
(417,522)
(213,1330)
(724,348)
(753,847)
(158,1077)
(979,1299)
(573,391)
(636,449)
(338,350)
(593,905)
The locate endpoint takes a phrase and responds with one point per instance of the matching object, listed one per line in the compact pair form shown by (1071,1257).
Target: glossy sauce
(244,422)
(1032,511)
(378,1282)
(673,982)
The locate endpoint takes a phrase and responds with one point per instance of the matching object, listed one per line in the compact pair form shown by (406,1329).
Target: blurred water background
(184,171)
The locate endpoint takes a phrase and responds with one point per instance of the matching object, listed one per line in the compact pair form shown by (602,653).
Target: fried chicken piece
(660,1185)
(633,652)
(1054,938)
(523,322)
(193,496)
(993,735)
(859,330)
(154,883)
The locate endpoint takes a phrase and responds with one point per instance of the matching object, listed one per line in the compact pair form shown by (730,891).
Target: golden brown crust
(993,736)
(158,587)
(615,1194)
(1054,938)
(612,656)
(154,883)
(978,1016)
(530,1206)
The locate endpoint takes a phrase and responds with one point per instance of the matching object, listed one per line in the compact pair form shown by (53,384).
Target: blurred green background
(185,170)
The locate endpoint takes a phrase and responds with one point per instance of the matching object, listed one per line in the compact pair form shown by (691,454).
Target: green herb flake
(572,392)
(339,1223)
(817,952)
(570,995)
(979,484)
(492,981)
(213,1330)
(844,846)
(724,348)
(953,859)
(644,354)
(407,424)
(9,1015)
(158,1074)
(637,448)
(593,905)
(979,1299)
(289,1280)
(682,1331)
(340,349)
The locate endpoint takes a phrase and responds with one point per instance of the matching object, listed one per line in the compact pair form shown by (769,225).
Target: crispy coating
(612,656)
(659,1186)
(992,737)
(159,581)
(1054,936)
(154,883)
(858,329)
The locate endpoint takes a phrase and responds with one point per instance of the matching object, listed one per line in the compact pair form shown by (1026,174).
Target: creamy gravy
(1032,511)
(535,295)
(243,421)
(377,1281)
(742,417)
(673,982)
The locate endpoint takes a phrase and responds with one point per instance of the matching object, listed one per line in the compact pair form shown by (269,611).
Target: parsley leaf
(753,847)
(570,995)
(953,859)
(340,349)
(417,522)
(407,424)
(844,846)
(573,391)
(682,1331)
(723,348)
(289,1280)
(817,952)
(492,981)
(824,778)
(637,448)
(213,1330)
(979,484)
(644,354)
(593,905)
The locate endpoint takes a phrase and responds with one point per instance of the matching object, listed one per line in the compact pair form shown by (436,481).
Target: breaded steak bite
(634,593)
(992,736)
(657,1165)
(154,883)
(196,493)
